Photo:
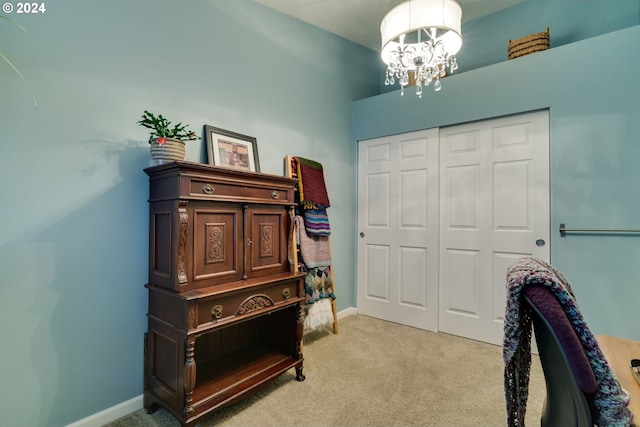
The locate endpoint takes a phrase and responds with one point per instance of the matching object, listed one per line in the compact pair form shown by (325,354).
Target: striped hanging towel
(316,221)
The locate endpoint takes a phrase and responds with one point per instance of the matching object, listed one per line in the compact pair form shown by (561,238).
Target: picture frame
(231,149)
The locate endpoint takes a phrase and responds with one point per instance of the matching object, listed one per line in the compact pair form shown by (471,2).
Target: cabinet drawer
(218,190)
(233,305)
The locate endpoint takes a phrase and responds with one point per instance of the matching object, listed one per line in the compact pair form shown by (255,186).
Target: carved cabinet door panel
(266,244)
(217,252)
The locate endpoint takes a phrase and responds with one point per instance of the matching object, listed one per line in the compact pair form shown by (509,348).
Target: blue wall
(590,88)
(486,38)
(73,230)
(73,234)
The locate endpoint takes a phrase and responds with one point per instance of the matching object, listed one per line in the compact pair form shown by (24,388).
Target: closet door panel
(494,204)
(398,228)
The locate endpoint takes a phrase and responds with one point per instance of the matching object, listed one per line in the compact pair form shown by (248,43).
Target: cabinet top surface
(181,168)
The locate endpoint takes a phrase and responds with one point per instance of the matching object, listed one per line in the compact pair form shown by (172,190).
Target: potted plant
(166,140)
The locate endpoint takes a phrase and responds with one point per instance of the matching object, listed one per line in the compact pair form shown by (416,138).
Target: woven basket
(412,77)
(528,44)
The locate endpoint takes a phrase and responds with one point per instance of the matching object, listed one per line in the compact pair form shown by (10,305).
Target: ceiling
(359,20)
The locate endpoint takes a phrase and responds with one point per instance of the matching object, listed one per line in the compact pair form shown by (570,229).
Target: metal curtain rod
(564,230)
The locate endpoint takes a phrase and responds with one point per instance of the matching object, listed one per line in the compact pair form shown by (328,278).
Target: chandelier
(420,39)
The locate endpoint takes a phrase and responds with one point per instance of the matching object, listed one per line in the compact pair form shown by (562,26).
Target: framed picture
(231,150)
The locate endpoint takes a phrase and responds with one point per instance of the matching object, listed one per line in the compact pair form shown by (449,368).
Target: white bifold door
(442,213)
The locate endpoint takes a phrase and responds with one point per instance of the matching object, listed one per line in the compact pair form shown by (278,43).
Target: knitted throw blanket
(318,289)
(611,400)
(314,199)
(318,285)
(313,193)
(315,251)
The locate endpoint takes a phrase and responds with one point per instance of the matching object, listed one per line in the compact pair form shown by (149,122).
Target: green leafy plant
(2,55)
(162,129)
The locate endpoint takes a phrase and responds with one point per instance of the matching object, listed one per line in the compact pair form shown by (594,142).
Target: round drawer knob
(208,189)
(216,311)
(275,195)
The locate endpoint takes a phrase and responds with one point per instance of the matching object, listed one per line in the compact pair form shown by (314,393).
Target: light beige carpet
(377,373)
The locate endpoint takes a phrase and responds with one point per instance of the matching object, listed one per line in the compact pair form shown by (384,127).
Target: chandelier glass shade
(420,39)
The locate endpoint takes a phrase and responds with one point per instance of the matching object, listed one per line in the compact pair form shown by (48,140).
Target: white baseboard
(125,408)
(347,312)
(110,414)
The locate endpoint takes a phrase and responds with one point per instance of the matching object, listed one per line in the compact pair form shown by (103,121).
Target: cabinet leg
(189,375)
(152,408)
(299,333)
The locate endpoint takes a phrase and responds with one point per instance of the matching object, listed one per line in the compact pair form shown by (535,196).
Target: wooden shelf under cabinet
(230,362)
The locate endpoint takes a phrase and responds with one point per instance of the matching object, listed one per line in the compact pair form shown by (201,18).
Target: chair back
(569,378)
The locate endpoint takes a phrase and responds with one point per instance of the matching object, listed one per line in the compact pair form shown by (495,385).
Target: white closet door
(398,228)
(494,209)
(441,216)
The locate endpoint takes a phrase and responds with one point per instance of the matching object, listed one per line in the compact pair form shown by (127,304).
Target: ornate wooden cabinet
(224,303)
